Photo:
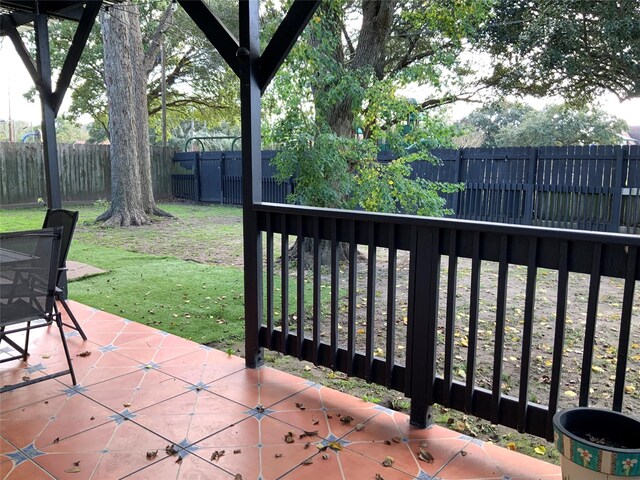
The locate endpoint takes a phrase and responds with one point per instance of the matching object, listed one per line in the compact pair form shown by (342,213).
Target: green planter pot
(597,444)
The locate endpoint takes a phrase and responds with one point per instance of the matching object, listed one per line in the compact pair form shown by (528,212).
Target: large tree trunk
(132,199)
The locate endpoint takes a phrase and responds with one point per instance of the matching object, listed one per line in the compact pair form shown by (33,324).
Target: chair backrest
(58,217)
(28,274)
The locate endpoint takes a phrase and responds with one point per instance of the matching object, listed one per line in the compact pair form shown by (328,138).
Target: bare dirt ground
(225,248)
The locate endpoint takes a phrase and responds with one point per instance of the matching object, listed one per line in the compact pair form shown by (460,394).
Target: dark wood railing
(350,315)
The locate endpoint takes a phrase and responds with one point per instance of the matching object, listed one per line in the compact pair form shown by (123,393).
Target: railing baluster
(371,299)
(449,341)
(391,306)
(625,328)
(317,296)
(284,272)
(527,333)
(300,287)
(474,301)
(335,292)
(501,306)
(351,313)
(590,330)
(270,286)
(559,334)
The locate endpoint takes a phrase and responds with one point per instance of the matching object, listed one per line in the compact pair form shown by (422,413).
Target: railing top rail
(452,223)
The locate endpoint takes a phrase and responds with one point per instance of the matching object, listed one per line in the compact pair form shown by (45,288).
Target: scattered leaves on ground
(86,353)
(300,406)
(346,419)
(171,449)
(236,451)
(359,427)
(540,450)
(425,455)
(308,461)
(152,454)
(388,461)
(312,433)
(289,437)
(278,455)
(215,456)
(512,446)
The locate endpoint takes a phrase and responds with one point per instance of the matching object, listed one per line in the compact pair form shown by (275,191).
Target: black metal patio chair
(28,272)
(57,217)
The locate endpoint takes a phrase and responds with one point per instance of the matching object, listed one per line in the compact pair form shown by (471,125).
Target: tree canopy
(576,49)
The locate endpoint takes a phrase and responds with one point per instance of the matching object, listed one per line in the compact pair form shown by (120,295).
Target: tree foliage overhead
(200,86)
(573,48)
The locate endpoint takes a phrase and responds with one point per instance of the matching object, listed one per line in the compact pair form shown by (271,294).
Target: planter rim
(558,425)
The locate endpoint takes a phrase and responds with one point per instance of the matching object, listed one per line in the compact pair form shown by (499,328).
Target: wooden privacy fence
(583,187)
(586,188)
(85,172)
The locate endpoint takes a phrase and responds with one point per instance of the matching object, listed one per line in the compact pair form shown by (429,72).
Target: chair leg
(25,353)
(72,317)
(66,348)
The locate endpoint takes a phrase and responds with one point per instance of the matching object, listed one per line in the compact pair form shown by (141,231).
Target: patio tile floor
(141,390)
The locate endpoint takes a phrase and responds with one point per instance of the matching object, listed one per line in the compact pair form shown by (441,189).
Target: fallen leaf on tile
(512,446)
(309,434)
(337,446)
(326,456)
(289,437)
(26,378)
(215,456)
(238,477)
(396,439)
(379,477)
(308,461)
(425,456)
(86,353)
(179,460)
(463,453)
(540,450)
(126,405)
(73,470)
(46,356)
(278,455)
(237,450)
(315,422)
(152,454)
(346,419)
(259,408)
(387,462)
(387,442)
(76,463)
(56,440)
(92,417)
(170,449)
(300,406)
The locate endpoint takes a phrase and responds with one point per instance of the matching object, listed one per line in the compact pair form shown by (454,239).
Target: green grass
(200,302)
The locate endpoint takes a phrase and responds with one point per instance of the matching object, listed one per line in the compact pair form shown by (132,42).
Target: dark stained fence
(579,187)
(326,313)
(85,172)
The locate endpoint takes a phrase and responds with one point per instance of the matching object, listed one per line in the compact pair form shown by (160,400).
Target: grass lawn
(197,301)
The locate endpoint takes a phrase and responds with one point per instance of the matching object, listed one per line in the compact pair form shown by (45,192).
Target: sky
(15,81)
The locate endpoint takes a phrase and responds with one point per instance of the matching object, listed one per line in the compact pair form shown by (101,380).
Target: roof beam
(215,31)
(285,38)
(75,51)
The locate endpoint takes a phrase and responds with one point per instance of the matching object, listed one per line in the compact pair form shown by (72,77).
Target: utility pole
(164,93)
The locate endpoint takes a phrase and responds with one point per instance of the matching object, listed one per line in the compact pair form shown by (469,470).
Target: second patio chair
(57,217)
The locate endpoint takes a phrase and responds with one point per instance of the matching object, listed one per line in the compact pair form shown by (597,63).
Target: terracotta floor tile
(245,433)
(142,390)
(62,466)
(134,465)
(306,421)
(246,462)
(26,470)
(277,461)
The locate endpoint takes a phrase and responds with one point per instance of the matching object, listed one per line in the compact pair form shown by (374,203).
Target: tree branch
(352,50)
(154,43)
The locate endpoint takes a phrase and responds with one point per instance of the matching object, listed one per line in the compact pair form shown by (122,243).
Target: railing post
(248,59)
(616,211)
(530,186)
(424,274)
